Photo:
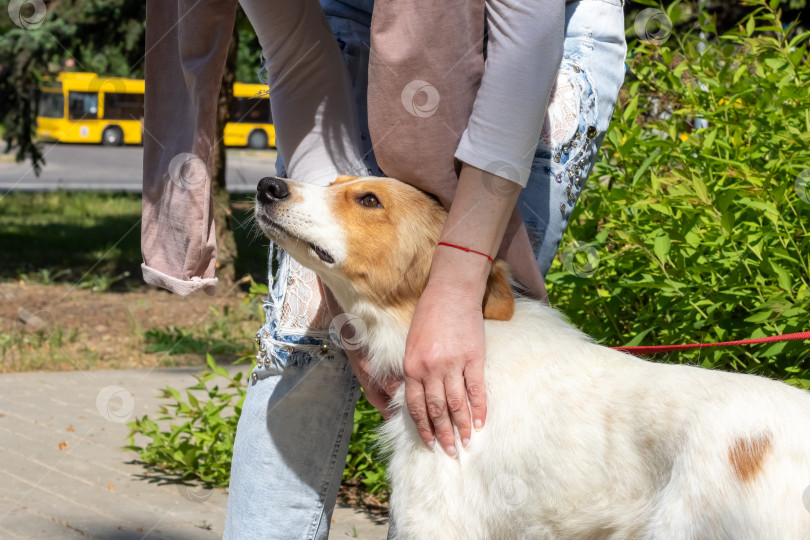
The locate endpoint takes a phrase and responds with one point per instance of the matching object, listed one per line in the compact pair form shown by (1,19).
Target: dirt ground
(59,327)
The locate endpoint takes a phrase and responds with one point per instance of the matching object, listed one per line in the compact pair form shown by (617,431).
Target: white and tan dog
(581,441)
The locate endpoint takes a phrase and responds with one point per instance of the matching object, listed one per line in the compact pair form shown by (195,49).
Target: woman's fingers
(417,408)
(378,399)
(440,416)
(457,405)
(476,393)
(390,386)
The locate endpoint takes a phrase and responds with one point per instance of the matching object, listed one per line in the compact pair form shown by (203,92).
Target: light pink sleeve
(186,47)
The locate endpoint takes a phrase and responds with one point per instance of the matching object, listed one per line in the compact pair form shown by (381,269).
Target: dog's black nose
(272,189)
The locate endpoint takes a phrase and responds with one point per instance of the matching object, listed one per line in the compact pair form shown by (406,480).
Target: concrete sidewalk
(65,475)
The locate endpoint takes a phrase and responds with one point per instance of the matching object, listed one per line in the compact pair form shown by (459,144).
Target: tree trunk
(226,243)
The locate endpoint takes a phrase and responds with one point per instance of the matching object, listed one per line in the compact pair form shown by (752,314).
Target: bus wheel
(112,136)
(257,139)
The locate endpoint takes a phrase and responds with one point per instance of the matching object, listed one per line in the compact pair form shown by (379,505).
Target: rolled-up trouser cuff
(179,286)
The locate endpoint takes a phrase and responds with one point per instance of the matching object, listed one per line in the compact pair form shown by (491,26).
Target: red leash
(653,349)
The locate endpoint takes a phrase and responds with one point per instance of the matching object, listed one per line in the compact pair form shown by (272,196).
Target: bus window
(82,105)
(121,106)
(51,105)
(250,110)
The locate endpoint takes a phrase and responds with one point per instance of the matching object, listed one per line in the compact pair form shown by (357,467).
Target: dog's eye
(369,200)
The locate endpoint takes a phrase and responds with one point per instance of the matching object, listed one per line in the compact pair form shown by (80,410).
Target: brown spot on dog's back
(747,455)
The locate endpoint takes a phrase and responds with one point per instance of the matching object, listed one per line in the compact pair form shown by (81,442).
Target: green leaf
(750,26)
(708,141)
(645,165)
(760,317)
(192,400)
(174,393)
(661,247)
(638,338)
(782,276)
(701,190)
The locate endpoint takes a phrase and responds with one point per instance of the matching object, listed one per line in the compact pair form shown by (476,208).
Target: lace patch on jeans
(562,113)
(304,307)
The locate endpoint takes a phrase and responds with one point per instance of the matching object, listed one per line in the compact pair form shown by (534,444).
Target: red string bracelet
(468,250)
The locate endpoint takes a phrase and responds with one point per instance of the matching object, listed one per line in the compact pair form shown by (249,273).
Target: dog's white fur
(581,441)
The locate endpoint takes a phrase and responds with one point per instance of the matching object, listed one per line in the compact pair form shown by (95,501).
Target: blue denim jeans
(297,417)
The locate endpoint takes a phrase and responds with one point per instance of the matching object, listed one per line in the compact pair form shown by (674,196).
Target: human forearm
(477,220)
(444,354)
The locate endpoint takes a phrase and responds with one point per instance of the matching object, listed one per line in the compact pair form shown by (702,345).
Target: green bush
(201,445)
(364,464)
(701,232)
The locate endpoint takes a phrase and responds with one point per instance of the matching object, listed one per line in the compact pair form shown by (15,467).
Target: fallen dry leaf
(111,486)
(63,445)
(70,428)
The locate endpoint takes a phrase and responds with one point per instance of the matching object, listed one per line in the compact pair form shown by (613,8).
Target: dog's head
(369,239)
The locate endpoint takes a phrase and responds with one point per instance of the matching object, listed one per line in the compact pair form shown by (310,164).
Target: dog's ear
(499,302)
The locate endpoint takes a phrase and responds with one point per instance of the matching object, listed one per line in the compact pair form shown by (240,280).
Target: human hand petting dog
(379,395)
(445,349)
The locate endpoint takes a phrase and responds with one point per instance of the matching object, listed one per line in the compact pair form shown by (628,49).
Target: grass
(93,238)
(60,236)
(227,333)
(90,241)
(38,350)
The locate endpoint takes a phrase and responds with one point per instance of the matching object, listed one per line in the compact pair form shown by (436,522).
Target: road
(79,166)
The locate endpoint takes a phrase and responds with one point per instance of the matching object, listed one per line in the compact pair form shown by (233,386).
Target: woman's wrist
(459,272)
(477,220)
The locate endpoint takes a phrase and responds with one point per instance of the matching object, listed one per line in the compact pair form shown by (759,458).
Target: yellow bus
(250,122)
(86,108)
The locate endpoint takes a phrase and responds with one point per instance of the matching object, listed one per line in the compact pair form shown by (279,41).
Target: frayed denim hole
(562,113)
(572,158)
(299,359)
(580,146)
(292,349)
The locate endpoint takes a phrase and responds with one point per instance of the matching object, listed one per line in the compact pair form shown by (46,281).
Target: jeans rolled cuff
(176,285)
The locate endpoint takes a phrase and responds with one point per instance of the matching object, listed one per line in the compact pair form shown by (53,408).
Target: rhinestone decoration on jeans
(577,167)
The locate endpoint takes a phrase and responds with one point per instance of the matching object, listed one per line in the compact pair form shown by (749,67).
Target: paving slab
(64,473)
